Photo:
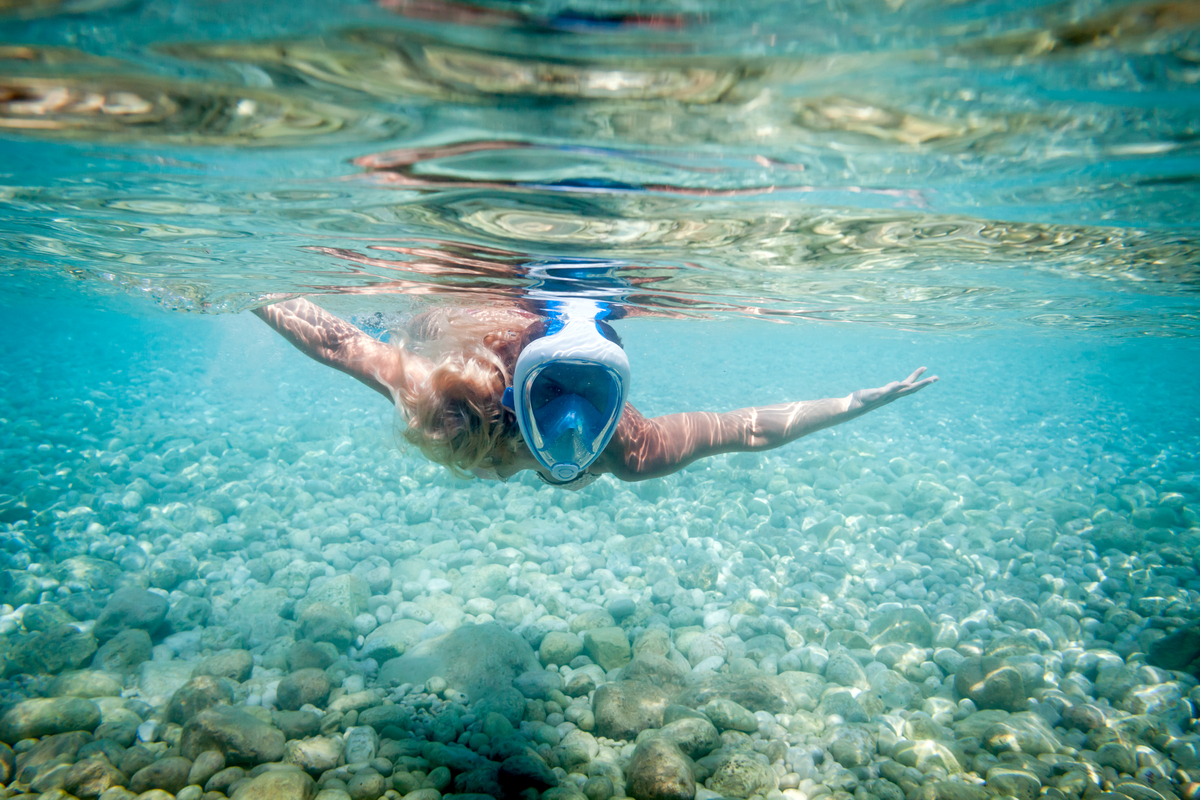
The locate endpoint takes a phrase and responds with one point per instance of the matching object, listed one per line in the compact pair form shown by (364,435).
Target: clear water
(813,198)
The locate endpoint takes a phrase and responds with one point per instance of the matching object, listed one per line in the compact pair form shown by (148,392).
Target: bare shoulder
(466,323)
(635,439)
(505,317)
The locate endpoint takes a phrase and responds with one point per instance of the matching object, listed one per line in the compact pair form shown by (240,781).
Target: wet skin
(642,447)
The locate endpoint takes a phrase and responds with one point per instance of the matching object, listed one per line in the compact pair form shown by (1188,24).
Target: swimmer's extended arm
(336,343)
(650,448)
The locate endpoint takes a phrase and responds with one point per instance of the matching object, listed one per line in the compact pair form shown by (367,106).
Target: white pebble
(147,731)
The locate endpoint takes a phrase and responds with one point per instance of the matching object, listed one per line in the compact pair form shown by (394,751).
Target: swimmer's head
(573,377)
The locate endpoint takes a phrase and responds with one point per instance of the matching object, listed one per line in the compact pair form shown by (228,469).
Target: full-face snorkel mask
(569,388)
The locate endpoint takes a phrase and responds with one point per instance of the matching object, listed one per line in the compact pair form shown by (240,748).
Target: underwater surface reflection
(839,164)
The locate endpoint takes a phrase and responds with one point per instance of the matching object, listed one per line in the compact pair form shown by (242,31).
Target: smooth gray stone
(659,770)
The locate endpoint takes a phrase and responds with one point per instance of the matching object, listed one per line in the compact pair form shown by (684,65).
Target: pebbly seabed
(224,581)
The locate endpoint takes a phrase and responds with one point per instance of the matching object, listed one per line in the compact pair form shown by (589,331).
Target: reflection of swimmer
(408,168)
(487,274)
(414,168)
(463,13)
(542,385)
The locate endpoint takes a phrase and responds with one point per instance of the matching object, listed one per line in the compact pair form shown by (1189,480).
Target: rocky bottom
(477,712)
(655,692)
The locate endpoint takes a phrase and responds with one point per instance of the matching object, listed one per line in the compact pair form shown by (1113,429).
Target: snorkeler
(495,390)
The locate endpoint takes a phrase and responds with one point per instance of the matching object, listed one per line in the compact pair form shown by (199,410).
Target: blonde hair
(455,417)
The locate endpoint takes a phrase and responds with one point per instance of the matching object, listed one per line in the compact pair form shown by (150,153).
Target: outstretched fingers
(910,384)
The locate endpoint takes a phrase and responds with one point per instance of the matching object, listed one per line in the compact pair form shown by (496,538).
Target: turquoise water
(810,199)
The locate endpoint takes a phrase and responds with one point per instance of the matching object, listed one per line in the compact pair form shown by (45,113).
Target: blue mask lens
(574,408)
(569,425)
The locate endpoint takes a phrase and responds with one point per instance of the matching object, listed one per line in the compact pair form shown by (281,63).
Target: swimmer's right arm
(336,343)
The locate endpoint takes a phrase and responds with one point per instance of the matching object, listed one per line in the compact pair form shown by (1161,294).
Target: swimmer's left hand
(869,399)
